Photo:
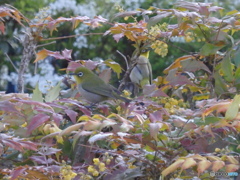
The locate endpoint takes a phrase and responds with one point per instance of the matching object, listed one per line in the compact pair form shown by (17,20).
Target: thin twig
(41,45)
(35,68)
(72,36)
(9,59)
(124,57)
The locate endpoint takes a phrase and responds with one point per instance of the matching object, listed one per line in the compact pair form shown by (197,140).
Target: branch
(41,45)
(71,36)
(29,45)
(124,57)
(9,59)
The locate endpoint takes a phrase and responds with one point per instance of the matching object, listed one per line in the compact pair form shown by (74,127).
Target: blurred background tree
(94,47)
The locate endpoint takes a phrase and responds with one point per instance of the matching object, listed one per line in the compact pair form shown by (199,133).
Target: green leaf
(220,85)
(53,93)
(209,49)
(226,67)
(208,120)
(37,94)
(233,109)
(115,66)
(231,12)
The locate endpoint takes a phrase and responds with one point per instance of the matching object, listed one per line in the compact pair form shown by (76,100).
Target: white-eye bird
(141,73)
(93,88)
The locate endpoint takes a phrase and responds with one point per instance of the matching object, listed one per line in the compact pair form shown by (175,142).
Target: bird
(93,88)
(141,73)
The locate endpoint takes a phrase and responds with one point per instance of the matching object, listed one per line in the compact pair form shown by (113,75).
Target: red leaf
(37,121)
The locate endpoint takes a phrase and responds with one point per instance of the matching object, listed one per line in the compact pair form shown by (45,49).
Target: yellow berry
(96,161)
(102,167)
(108,161)
(188,39)
(167,105)
(91,169)
(95,173)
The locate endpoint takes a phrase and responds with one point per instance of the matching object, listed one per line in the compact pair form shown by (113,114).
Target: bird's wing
(150,72)
(99,87)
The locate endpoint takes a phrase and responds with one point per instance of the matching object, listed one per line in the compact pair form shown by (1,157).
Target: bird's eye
(80,74)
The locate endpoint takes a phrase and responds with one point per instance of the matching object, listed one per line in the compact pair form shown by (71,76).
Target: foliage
(185,124)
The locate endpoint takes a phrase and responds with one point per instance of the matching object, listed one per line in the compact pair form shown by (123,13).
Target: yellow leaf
(69,129)
(203,165)
(214,158)
(98,116)
(189,162)
(177,63)
(114,65)
(232,168)
(41,55)
(173,167)
(84,118)
(92,125)
(216,165)
(232,160)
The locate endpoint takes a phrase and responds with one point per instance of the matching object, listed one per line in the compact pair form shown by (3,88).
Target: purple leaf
(148,89)
(117,37)
(29,145)
(42,160)
(176,78)
(46,151)
(37,121)
(76,103)
(15,173)
(72,115)
(13,144)
(155,116)
(67,54)
(154,129)
(7,106)
(57,118)
(193,65)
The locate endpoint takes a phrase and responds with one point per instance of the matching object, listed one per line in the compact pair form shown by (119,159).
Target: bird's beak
(71,74)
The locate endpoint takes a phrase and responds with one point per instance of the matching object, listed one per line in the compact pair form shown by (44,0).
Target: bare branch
(9,59)
(41,45)
(72,36)
(124,57)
